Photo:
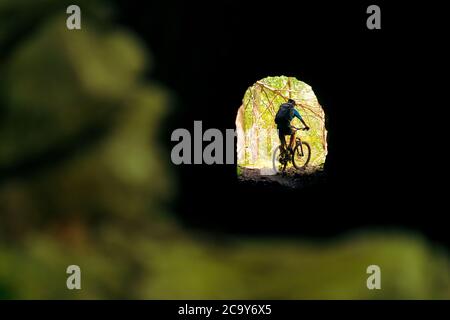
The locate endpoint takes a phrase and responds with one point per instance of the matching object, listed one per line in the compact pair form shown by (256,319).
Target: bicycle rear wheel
(279,165)
(302,155)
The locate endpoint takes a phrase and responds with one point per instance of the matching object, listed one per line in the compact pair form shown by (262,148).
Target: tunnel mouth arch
(257,135)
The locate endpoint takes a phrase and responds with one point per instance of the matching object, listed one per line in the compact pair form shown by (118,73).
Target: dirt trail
(292,179)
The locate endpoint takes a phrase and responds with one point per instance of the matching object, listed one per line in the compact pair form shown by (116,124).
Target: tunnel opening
(257,134)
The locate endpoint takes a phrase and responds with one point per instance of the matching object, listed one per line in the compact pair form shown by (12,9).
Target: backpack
(284,114)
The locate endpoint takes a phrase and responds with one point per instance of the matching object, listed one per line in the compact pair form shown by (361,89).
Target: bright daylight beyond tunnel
(257,135)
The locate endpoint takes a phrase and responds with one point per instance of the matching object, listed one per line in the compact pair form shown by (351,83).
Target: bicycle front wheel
(302,155)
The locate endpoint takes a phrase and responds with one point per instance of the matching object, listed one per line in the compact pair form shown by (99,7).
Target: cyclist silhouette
(286,113)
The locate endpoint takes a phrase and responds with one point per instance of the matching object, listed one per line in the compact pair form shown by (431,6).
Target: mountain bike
(299,156)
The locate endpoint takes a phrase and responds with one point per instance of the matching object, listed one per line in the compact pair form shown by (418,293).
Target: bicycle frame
(298,140)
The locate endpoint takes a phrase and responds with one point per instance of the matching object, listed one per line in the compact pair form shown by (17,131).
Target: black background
(375,87)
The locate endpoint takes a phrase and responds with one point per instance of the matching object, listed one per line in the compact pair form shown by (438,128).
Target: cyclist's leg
(292,140)
(282,140)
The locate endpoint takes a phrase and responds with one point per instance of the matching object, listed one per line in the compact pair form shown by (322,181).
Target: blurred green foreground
(83,181)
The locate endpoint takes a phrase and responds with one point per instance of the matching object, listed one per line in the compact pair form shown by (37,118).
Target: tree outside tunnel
(257,135)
